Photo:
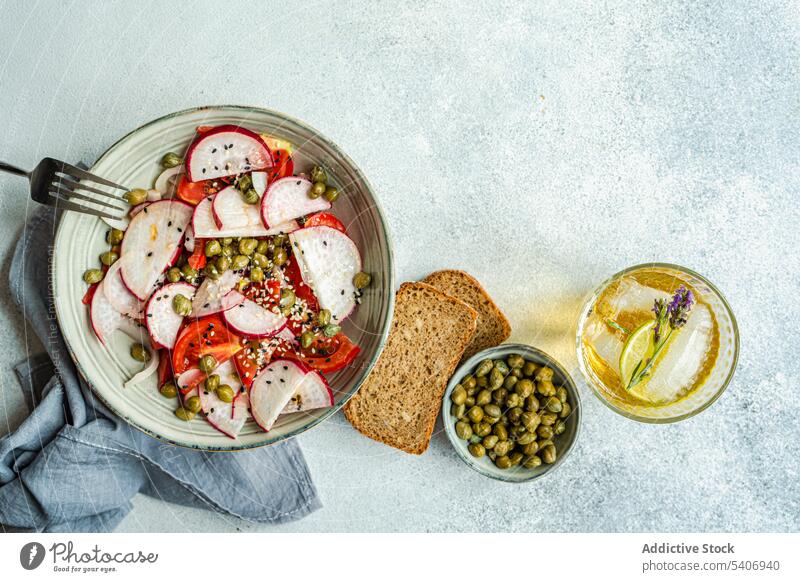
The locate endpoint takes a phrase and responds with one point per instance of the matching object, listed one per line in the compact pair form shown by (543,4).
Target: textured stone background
(542,146)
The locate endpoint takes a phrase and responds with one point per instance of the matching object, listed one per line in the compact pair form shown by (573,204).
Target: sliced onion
(148,370)
(167,180)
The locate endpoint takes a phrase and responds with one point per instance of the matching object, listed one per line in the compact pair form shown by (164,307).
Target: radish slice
(226,150)
(152,243)
(188,239)
(168,180)
(232,212)
(222,415)
(106,320)
(149,369)
(287,199)
(210,296)
(188,382)
(205,226)
(251,320)
(153,195)
(259,182)
(313,392)
(162,322)
(328,261)
(272,389)
(118,295)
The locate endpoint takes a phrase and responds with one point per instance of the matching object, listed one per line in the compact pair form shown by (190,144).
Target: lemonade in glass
(657,343)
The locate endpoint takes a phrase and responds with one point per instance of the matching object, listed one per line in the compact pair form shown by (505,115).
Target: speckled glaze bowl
(564,442)
(134,161)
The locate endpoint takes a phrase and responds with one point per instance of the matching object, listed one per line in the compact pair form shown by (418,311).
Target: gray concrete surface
(539,145)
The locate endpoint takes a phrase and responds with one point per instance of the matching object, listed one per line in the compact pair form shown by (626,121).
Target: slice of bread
(493,327)
(400,399)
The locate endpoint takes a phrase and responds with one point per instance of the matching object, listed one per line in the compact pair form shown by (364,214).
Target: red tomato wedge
(325,219)
(164,367)
(301,290)
(284,165)
(330,354)
(246,361)
(266,293)
(193,192)
(205,336)
(197,260)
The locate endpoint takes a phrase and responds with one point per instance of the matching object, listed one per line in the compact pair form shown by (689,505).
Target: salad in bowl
(234,277)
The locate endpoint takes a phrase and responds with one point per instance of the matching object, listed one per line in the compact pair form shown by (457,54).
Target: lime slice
(638,347)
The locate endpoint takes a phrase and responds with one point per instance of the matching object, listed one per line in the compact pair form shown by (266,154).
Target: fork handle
(13,170)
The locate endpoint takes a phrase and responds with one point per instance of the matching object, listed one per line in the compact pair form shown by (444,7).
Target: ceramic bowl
(563,442)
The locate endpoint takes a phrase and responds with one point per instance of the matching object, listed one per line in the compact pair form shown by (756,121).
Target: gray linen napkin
(73,466)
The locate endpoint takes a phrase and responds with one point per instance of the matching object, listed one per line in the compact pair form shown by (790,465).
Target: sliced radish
(188,239)
(205,226)
(163,323)
(188,382)
(222,415)
(118,295)
(287,199)
(167,180)
(272,389)
(106,320)
(251,320)
(210,296)
(232,212)
(152,243)
(259,182)
(226,150)
(328,261)
(313,392)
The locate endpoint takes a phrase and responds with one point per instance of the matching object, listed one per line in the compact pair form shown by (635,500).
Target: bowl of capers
(512,413)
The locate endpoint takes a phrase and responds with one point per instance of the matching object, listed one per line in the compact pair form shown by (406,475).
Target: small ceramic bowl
(563,442)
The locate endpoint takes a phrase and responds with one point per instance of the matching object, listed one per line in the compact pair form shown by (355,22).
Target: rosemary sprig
(617,326)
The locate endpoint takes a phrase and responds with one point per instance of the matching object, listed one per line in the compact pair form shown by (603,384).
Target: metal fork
(58,184)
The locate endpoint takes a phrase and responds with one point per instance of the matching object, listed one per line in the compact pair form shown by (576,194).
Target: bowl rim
(507,349)
(650,420)
(234,445)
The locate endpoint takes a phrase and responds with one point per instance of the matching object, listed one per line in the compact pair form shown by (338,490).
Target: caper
(331,330)
(168,390)
(225,393)
(548,418)
(476,450)
(517,430)
(549,454)
(553,404)
(529,369)
(532,462)
(493,410)
(544,374)
(306,339)
(532,403)
(174,275)
(502,367)
(531,448)
(136,196)
(496,378)
(514,400)
(482,382)
(458,411)
(114,236)
(475,414)
(213,248)
(527,438)
(458,395)
(181,304)
(317,190)
(279,256)
(514,415)
(524,388)
(565,410)
(361,280)
(184,414)
(222,263)
(227,241)
(92,276)
(280,239)
(318,174)
(484,429)
(260,260)
(517,373)
(323,317)
(140,353)
(239,262)
(189,273)
(489,441)
(468,382)
(463,430)
(545,388)
(510,381)
(262,247)
(545,442)
(484,397)
(256,274)
(545,432)
(193,404)
(502,447)
(245,183)
(108,258)
(331,194)
(515,361)
(559,427)
(207,363)
(470,401)
(484,368)
(170,160)
(561,393)
(211,271)
(502,462)
(251,196)
(501,431)
(247,246)
(530,420)
(515,458)
(499,396)
(227,251)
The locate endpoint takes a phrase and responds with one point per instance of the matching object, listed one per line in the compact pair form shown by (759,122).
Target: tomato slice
(164,367)
(283,165)
(325,219)
(197,260)
(291,272)
(266,293)
(330,354)
(194,192)
(205,336)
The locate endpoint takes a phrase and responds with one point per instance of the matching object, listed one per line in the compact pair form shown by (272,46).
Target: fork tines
(69,184)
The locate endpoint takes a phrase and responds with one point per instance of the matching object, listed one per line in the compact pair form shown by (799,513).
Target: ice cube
(604,342)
